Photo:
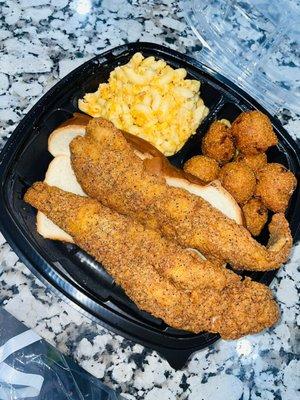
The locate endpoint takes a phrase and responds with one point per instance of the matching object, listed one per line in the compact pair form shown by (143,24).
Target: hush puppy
(256,215)
(205,168)
(239,180)
(253,132)
(218,143)
(256,162)
(275,185)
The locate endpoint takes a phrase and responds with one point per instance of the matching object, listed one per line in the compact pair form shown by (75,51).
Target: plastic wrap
(249,42)
(32,369)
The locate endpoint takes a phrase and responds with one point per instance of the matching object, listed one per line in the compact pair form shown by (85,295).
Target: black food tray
(65,268)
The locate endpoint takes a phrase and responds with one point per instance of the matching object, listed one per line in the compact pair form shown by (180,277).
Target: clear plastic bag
(32,369)
(255,44)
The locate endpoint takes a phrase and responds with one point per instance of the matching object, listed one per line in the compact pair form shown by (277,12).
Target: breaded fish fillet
(108,170)
(129,252)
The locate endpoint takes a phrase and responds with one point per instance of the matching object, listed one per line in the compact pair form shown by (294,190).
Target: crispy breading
(239,180)
(253,132)
(108,170)
(255,161)
(275,186)
(218,143)
(205,168)
(256,216)
(133,256)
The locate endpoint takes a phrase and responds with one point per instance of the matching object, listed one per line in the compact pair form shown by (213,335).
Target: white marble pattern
(41,41)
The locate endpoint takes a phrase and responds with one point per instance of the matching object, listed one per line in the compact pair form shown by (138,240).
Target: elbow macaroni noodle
(151,100)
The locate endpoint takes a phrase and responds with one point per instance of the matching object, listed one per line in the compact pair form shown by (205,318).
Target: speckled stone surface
(40,42)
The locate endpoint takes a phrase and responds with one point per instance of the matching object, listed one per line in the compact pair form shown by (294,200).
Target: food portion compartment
(210,92)
(57,116)
(229,111)
(94,77)
(193,145)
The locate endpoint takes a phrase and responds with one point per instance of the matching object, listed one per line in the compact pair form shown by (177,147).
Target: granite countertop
(41,41)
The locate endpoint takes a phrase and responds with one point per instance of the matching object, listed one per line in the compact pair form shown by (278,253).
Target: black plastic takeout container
(65,268)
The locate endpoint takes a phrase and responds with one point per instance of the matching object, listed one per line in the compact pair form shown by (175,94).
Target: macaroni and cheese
(148,98)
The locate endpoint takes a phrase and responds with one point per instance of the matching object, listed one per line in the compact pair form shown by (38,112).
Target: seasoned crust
(275,185)
(218,143)
(255,161)
(253,132)
(256,216)
(205,168)
(124,247)
(108,169)
(239,180)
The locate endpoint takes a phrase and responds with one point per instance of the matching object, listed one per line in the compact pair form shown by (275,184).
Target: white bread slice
(60,138)
(49,230)
(61,175)
(214,194)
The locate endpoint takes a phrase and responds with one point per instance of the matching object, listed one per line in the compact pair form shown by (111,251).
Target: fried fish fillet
(108,170)
(130,253)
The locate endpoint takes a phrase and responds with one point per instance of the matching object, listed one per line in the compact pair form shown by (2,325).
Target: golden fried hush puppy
(205,168)
(218,143)
(256,215)
(253,132)
(239,180)
(275,185)
(256,161)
